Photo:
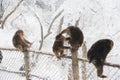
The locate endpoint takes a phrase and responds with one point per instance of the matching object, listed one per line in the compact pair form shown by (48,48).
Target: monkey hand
(30,44)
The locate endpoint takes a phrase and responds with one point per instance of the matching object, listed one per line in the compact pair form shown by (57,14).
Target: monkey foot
(62,55)
(102,76)
(59,58)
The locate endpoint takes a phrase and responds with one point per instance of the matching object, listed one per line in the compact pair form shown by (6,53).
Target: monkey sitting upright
(76,36)
(20,42)
(58,46)
(98,53)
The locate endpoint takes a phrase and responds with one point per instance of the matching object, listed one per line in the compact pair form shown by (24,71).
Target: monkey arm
(65,31)
(66,47)
(27,42)
(23,39)
(67,39)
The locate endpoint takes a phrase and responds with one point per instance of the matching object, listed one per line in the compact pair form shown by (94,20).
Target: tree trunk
(83,65)
(27,65)
(75,65)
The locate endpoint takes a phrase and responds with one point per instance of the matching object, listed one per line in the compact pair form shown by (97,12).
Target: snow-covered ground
(98,19)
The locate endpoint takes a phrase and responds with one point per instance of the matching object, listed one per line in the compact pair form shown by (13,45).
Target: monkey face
(60,38)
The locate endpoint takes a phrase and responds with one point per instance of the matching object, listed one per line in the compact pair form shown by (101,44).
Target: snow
(98,19)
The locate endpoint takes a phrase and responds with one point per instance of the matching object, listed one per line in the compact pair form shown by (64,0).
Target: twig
(112,65)
(77,22)
(20,15)
(55,19)
(2,10)
(1,5)
(2,25)
(49,32)
(41,27)
(60,25)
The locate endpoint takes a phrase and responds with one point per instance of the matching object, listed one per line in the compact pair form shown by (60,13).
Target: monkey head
(19,41)
(76,36)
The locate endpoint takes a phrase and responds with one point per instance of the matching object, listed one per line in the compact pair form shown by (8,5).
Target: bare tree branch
(60,25)
(1,5)
(55,19)
(41,27)
(5,19)
(1,10)
(20,15)
(27,65)
(77,22)
(49,32)
(83,65)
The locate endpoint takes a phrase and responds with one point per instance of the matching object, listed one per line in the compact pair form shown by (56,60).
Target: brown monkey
(20,42)
(98,53)
(76,36)
(58,46)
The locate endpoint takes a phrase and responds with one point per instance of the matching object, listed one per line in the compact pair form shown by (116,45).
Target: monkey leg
(99,70)
(19,47)
(62,54)
(57,55)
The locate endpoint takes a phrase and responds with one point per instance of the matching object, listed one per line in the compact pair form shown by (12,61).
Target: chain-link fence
(47,67)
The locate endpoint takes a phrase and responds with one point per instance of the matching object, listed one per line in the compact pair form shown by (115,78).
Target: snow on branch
(68,57)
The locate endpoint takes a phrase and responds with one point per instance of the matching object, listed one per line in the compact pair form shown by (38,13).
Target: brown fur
(58,46)
(76,36)
(20,42)
(98,53)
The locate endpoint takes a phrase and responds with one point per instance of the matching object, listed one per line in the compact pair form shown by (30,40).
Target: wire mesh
(47,67)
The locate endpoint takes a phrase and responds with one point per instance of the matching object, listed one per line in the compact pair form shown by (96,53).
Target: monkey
(1,56)
(58,46)
(20,42)
(76,36)
(97,54)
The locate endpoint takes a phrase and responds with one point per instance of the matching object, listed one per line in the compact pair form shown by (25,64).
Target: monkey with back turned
(20,42)
(76,36)
(97,54)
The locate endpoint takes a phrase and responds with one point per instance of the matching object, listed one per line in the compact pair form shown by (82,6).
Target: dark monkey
(58,46)
(20,42)
(97,54)
(76,36)
(1,56)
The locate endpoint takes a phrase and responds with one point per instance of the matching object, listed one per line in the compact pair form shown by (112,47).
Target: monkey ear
(58,36)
